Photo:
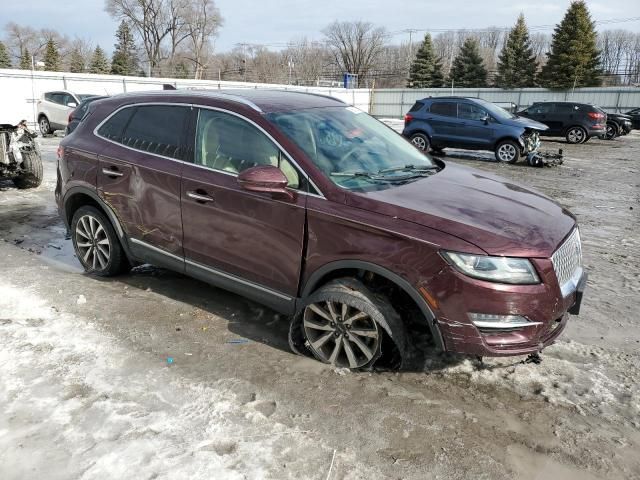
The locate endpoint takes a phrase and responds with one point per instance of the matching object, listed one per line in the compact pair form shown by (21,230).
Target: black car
(635,118)
(577,122)
(618,124)
(78,114)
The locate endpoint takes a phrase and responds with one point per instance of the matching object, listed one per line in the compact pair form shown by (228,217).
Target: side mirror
(72,104)
(265,178)
(486,119)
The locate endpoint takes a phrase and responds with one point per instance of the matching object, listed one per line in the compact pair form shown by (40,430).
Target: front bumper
(543,304)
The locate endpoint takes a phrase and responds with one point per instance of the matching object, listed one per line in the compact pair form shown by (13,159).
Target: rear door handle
(199,197)
(112,173)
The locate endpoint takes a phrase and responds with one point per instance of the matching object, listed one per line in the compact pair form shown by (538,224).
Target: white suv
(54,109)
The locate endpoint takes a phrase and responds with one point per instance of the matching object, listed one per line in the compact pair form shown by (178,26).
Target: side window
(469,111)
(448,109)
(416,106)
(227,143)
(67,99)
(57,98)
(156,129)
(566,108)
(112,129)
(48,97)
(540,108)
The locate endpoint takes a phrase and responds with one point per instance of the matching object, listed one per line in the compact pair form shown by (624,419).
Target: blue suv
(471,124)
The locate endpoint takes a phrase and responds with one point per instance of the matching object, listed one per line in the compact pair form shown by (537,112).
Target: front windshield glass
(354,150)
(497,112)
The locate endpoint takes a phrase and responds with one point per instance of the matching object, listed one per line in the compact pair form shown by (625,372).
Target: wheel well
(417,326)
(511,139)
(566,130)
(40,115)
(79,200)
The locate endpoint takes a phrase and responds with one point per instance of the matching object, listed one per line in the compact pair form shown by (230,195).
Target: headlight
(495,269)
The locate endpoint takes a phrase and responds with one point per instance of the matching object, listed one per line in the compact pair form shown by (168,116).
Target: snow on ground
(114,414)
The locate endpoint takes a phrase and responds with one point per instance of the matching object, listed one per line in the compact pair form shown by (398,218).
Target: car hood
(495,214)
(526,123)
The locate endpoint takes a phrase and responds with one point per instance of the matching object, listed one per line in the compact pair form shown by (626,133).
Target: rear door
(472,130)
(139,178)
(250,242)
(566,115)
(57,110)
(442,116)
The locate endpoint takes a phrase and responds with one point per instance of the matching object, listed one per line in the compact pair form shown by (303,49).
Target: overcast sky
(278,21)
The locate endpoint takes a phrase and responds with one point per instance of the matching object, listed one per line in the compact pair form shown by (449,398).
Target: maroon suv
(321,212)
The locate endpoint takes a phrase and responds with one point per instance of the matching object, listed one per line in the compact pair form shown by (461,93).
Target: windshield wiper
(410,167)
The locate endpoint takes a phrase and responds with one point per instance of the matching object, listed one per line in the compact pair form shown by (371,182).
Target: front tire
(344,324)
(508,151)
(96,244)
(612,131)
(576,135)
(421,142)
(31,176)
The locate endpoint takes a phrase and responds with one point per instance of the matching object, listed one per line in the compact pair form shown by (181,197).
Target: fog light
(489,320)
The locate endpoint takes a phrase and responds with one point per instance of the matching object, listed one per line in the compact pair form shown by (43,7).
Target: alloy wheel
(420,143)
(92,243)
(611,132)
(507,152)
(44,126)
(340,334)
(575,135)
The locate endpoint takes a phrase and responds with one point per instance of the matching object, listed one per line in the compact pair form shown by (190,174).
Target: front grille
(568,258)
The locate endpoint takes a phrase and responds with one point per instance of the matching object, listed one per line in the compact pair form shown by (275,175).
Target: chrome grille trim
(567,263)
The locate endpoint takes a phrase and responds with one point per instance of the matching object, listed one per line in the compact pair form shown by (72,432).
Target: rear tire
(576,135)
(96,244)
(45,126)
(421,142)
(507,151)
(32,171)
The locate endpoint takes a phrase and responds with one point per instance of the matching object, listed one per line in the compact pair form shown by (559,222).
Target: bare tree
(150,19)
(356,46)
(540,44)
(203,20)
(21,38)
(307,60)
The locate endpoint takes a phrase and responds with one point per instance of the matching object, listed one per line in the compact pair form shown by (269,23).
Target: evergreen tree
(468,68)
(574,58)
(51,57)
(181,71)
(426,69)
(517,64)
(124,58)
(99,62)
(76,62)
(5,61)
(25,60)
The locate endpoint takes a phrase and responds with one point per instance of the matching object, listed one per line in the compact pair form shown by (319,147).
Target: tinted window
(566,108)
(540,108)
(447,109)
(48,97)
(67,99)
(417,106)
(113,128)
(156,129)
(228,143)
(58,98)
(469,111)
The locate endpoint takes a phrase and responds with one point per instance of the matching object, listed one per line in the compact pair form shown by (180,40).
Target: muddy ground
(154,375)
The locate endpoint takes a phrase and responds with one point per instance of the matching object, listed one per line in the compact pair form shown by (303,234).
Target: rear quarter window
(416,106)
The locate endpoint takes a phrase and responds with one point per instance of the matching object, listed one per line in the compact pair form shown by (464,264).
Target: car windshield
(496,111)
(354,150)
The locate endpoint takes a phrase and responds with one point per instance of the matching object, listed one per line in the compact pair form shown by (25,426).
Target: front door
(139,178)
(474,129)
(249,242)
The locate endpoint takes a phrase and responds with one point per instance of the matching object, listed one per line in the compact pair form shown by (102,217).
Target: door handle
(112,173)
(200,197)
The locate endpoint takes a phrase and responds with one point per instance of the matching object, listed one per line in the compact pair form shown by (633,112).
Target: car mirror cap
(265,178)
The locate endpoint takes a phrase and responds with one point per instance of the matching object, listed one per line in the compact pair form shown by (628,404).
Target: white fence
(396,102)
(20,89)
